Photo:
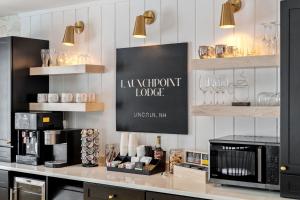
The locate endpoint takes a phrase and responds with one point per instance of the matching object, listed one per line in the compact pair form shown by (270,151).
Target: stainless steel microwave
(245,161)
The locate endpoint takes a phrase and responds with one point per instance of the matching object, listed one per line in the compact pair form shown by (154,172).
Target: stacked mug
(90,147)
(66,98)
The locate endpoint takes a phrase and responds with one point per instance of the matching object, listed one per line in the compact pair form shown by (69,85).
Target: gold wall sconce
(70,31)
(227,14)
(140,23)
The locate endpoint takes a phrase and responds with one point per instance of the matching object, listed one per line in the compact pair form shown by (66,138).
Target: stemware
(204,86)
(53,57)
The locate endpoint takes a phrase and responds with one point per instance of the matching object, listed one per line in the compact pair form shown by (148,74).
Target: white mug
(81,97)
(53,98)
(92,97)
(42,98)
(67,97)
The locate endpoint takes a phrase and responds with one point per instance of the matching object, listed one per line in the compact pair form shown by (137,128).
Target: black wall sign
(152,89)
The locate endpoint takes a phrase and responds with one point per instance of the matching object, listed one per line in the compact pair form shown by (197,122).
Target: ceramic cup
(92,97)
(42,98)
(67,97)
(81,97)
(53,98)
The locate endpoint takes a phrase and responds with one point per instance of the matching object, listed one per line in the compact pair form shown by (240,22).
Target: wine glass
(222,86)
(204,86)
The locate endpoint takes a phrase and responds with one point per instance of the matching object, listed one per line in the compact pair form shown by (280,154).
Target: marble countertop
(155,183)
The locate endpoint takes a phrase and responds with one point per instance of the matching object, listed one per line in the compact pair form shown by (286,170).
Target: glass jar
(111,152)
(175,157)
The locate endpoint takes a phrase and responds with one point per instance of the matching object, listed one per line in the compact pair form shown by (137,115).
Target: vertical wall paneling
(25,26)
(46,22)
(168,33)
(169,21)
(56,82)
(205,35)
(223,125)
(187,33)
(35,26)
(123,33)
(244,35)
(153,30)
(109,25)
(109,60)
(265,79)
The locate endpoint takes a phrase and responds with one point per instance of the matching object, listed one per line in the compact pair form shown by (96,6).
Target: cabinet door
(5,92)
(4,179)
(290,86)
(104,192)
(4,193)
(159,196)
(290,98)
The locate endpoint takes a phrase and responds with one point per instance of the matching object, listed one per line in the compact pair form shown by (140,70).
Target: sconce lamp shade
(227,16)
(69,36)
(70,31)
(140,27)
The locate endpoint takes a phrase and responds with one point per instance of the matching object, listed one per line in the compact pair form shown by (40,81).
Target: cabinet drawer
(4,193)
(104,192)
(4,179)
(290,186)
(160,196)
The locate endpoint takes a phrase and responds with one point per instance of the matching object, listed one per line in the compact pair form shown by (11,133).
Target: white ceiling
(11,7)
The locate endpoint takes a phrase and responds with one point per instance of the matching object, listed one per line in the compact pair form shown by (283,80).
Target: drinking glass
(204,86)
(222,87)
(45,57)
(53,57)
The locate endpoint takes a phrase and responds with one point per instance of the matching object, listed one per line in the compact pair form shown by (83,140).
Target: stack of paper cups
(124,144)
(132,144)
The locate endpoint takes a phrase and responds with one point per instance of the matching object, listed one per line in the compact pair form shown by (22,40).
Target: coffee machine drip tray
(55,164)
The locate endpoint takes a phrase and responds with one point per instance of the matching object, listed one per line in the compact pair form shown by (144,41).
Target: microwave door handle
(259,164)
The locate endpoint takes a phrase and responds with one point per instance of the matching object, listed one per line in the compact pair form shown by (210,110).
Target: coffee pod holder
(158,166)
(90,147)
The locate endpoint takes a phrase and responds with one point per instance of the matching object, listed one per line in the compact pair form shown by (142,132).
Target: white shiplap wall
(109,24)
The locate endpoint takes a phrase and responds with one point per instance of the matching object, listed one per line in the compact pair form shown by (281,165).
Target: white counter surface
(155,183)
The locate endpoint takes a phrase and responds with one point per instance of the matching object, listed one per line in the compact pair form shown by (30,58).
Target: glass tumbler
(45,57)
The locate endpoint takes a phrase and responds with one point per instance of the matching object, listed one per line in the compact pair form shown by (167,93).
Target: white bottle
(124,144)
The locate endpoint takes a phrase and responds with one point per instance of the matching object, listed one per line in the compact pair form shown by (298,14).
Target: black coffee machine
(65,147)
(30,129)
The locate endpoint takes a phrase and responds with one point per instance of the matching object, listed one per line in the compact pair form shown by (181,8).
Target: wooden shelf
(241,111)
(67,107)
(236,63)
(61,70)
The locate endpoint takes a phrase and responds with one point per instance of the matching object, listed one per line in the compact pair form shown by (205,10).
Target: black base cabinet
(160,196)
(4,185)
(290,99)
(104,192)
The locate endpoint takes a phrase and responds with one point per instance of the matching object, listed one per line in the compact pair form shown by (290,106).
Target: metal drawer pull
(111,196)
(283,168)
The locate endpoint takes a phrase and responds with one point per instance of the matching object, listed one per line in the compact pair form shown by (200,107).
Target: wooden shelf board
(67,107)
(71,69)
(236,62)
(241,111)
